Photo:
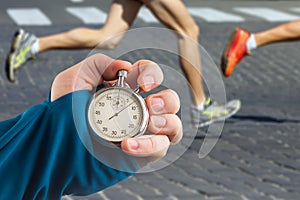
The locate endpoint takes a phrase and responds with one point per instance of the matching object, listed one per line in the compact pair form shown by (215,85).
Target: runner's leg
(174,15)
(120,17)
(286,32)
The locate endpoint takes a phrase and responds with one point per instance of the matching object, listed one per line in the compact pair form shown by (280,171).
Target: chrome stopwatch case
(118,112)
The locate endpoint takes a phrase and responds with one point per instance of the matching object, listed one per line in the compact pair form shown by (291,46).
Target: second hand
(117,113)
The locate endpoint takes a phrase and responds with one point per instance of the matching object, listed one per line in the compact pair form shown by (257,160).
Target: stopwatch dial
(116,114)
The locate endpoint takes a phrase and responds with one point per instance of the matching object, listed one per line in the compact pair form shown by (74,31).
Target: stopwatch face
(117,113)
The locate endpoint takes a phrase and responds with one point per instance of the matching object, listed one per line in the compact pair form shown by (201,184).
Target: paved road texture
(258,153)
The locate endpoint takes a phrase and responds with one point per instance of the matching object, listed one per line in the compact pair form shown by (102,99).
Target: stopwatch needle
(117,113)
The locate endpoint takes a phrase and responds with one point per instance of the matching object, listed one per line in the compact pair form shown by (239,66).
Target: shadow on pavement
(265,119)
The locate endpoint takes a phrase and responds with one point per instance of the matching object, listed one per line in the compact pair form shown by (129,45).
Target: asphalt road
(258,153)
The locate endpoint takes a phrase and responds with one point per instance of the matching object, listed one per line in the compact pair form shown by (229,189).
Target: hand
(164,124)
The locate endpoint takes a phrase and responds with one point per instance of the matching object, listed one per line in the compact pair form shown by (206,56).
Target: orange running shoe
(235,50)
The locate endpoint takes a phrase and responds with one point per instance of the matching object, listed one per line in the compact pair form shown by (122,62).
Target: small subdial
(117,103)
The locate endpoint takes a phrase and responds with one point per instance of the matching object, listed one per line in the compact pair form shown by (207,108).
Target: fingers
(87,74)
(168,124)
(164,126)
(151,147)
(99,67)
(163,102)
(93,70)
(145,74)
(162,108)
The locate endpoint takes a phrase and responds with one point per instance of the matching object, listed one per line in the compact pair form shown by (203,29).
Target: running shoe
(235,51)
(214,112)
(20,52)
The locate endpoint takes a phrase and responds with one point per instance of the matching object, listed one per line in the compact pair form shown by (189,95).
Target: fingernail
(148,81)
(132,143)
(157,104)
(158,121)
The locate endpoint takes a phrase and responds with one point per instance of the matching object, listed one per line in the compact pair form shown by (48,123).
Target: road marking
(146,15)
(93,15)
(214,15)
(268,14)
(296,9)
(89,15)
(28,16)
(77,1)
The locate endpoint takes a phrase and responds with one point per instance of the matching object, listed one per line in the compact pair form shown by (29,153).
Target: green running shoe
(214,112)
(20,52)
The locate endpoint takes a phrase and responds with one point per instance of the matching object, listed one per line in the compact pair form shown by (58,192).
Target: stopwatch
(117,112)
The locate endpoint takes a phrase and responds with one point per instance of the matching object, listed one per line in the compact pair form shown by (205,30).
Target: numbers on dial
(117,113)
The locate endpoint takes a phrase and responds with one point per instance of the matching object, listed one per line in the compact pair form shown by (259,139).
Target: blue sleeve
(42,155)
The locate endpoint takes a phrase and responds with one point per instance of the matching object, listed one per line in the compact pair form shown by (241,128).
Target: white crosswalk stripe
(147,16)
(77,1)
(214,15)
(28,16)
(94,15)
(88,15)
(296,9)
(267,14)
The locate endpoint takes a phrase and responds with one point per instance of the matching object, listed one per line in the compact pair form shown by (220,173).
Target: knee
(110,42)
(191,30)
(195,31)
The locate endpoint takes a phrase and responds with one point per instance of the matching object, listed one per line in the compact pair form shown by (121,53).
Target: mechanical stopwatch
(117,112)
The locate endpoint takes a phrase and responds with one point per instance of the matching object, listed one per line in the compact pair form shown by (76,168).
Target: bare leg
(286,32)
(174,15)
(122,13)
